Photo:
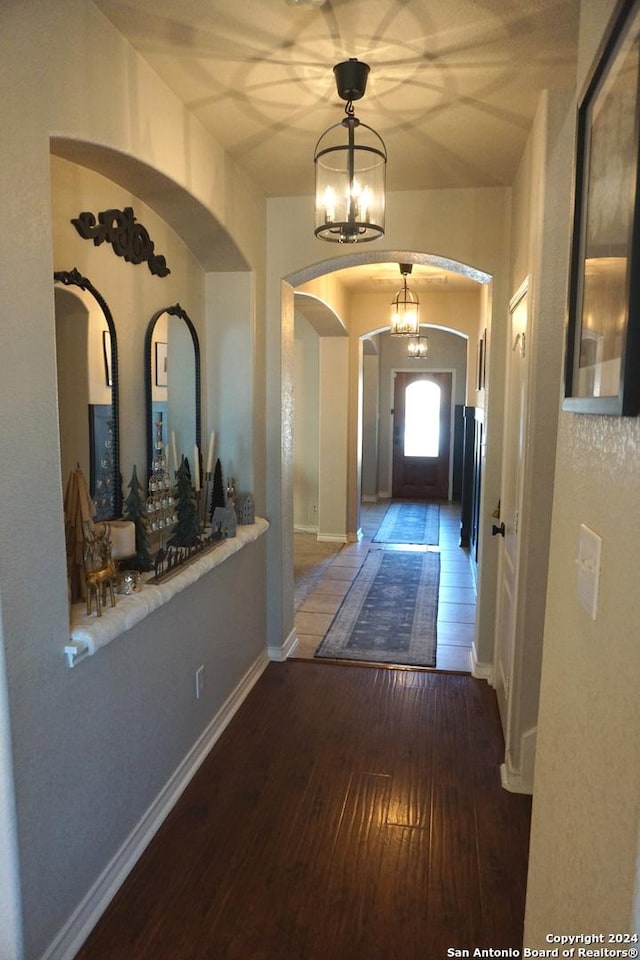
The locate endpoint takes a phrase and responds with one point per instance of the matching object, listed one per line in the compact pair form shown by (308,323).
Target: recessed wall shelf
(90,633)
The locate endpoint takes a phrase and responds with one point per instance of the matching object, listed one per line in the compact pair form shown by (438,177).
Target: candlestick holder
(161,511)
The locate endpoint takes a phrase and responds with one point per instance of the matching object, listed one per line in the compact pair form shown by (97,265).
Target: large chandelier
(350,173)
(405,309)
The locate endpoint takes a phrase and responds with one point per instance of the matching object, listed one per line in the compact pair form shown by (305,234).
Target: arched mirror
(87,368)
(172,377)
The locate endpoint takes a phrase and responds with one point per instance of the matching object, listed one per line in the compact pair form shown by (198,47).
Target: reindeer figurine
(99,569)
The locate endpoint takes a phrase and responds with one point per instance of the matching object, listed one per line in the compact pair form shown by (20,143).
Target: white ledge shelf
(89,633)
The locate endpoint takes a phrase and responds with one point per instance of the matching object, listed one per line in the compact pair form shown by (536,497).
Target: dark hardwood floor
(347,812)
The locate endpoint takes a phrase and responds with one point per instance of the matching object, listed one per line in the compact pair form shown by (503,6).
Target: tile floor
(324,572)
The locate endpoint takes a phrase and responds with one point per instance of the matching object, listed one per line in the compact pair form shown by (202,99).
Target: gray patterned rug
(410,523)
(389,614)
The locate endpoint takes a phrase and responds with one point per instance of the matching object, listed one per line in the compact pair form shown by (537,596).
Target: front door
(421,436)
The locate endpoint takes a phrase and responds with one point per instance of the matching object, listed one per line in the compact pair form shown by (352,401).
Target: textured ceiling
(453,86)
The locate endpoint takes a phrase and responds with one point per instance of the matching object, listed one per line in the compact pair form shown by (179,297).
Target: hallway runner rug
(410,523)
(389,614)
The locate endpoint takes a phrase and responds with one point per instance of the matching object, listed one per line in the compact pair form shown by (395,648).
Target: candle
(173,450)
(212,443)
(196,468)
(329,200)
(123,539)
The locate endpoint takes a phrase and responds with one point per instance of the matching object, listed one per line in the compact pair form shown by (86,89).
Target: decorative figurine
(187,530)
(224,522)
(100,570)
(245,509)
(217,492)
(231,493)
(134,509)
(79,512)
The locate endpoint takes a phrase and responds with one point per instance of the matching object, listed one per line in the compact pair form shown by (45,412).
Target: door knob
(498,530)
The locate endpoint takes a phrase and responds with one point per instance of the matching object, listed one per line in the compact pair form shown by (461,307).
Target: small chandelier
(350,176)
(405,309)
(418,348)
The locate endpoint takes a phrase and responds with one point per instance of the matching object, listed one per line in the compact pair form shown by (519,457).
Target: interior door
(511,500)
(421,436)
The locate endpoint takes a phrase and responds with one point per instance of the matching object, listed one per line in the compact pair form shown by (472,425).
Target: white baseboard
(281,653)
(521,781)
(332,538)
(84,918)
(483,671)
(384,494)
(304,528)
(512,781)
(369,498)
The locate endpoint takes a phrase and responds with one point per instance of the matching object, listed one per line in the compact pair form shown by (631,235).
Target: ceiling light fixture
(405,308)
(350,176)
(418,348)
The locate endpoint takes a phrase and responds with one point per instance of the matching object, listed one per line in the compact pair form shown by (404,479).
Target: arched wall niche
(207,239)
(218,291)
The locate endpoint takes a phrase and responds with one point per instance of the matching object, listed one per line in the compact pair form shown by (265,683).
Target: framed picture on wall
(602,372)
(161,364)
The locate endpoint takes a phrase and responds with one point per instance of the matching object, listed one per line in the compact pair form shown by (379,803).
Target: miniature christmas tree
(187,531)
(217,491)
(135,510)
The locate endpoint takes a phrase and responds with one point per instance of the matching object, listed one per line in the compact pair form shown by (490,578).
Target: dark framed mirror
(88,396)
(172,386)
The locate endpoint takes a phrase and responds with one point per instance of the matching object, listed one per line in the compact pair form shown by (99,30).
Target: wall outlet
(199,681)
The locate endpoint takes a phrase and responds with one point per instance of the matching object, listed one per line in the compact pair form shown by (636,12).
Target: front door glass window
(422,419)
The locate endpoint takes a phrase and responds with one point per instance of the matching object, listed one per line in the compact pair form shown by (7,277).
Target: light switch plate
(589,549)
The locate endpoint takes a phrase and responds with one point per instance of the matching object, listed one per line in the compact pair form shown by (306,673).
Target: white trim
(332,538)
(304,528)
(84,918)
(281,653)
(521,781)
(482,671)
(512,781)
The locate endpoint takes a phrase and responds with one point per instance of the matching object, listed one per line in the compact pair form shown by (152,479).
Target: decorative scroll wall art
(128,238)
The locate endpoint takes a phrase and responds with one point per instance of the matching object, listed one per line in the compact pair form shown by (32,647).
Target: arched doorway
(293,284)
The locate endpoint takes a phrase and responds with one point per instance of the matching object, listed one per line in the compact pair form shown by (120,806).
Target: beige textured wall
(72,76)
(583,873)
(305,426)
